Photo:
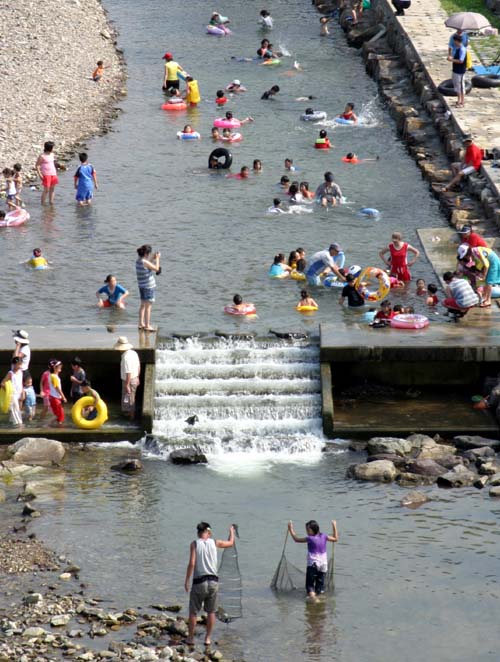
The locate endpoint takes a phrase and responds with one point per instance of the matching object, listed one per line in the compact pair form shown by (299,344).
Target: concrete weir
(392,381)
(94,345)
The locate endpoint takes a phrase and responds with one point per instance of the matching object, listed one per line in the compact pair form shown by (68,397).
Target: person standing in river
(317,557)
(398,261)
(202,567)
(130,369)
(46,169)
(144,269)
(22,349)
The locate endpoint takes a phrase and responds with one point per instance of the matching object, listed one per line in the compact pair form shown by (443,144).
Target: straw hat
(21,336)
(122,344)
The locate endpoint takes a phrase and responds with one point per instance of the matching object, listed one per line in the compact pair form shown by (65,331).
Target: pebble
(65,576)
(59,621)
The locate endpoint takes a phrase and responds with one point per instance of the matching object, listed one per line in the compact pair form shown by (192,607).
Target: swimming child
(279,267)
(10,187)
(317,558)
(348,113)
(385,313)
(77,378)
(29,397)
(264,48)
(228,136)
(421,288)
(432,299)
(235,87)
(265,19)
(192,94)
(257,165)
(289,165)
(220,98)
(89,412)
(324,26)
(37,261)
(215,133)
(409,310)
(239,304)
(294,193)
(271,93)
(285,183)
(322,142)
(306,193)
(99,71)
(276,207)
(18,181)
(306,299)
(229,116)
(292,259)
(244,173)
(396,283)
(85,179)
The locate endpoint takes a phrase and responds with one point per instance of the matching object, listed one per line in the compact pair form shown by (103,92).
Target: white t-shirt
(267,21)
(26,350)
(130,364)
(17,383)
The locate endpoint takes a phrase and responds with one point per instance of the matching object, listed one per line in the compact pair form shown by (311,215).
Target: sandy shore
(47,55)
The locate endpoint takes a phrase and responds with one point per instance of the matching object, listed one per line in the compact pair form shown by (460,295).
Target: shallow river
(213,232)
(414,585)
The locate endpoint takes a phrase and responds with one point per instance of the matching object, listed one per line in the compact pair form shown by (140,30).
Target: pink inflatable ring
(409,321)
(223,123)
(14,218)
(247,309)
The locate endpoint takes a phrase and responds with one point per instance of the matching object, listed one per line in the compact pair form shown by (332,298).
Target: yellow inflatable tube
(297,275)
(306,309)
(95,423)
(6,396)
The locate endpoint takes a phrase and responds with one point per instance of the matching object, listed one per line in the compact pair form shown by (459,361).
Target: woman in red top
(472,238)
(398,261)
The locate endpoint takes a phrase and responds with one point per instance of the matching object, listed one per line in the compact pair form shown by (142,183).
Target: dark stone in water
(290,335)
(128,466)
(468,442)
(475,454)
(188,456)
(398,461)
(236,335)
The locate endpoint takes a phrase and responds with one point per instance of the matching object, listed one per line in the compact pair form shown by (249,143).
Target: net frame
(288,577)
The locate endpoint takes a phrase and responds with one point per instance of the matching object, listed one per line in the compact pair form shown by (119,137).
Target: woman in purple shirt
(317,558)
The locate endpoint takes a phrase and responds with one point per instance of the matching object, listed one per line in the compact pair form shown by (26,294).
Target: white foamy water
(255,402)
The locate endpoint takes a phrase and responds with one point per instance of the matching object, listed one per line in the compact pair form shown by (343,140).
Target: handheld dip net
(288,577)
(230,585)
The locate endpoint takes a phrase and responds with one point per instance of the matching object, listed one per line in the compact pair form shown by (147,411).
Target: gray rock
(432,451)
(34,632)
(60,620)
(480,482)
(454,478)
(382,471)
(398,461)
(495,491)
(488,468)
(166,653)
(406,479)
(494,480)
(466,442)
(389,445)
(420,440)
(40,451)
(9,469)
(47,484)
(425,467)
(451,461)
(33,599)
(191,455)
(413,499)
(128,466)
(477,453)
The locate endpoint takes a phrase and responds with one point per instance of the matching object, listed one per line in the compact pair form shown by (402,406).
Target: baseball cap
(335,247)
(168,56)
(236,82)
(465,229)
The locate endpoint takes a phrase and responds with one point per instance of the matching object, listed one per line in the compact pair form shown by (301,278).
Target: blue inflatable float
(369,211)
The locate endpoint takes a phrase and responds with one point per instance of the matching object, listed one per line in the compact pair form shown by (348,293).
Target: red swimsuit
(399,265)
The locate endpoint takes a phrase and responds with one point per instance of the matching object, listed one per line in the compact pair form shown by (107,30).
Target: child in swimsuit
(18,181)
(10,187)
(220,99)
(306,299)
(348,113)
(98,71)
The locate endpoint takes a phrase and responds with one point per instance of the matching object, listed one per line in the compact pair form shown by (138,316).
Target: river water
(415,584)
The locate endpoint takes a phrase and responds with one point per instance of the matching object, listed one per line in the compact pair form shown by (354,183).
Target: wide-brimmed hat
(122,344)
(21,336)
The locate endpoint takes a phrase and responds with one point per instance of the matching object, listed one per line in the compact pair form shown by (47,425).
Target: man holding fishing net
(202,567)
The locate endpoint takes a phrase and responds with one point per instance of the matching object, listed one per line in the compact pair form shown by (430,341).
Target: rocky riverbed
(47,55)
(46,611)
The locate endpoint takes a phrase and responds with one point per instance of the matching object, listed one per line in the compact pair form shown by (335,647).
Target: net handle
(284,544)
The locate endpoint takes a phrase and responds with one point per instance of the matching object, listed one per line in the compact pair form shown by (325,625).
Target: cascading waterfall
(258,395)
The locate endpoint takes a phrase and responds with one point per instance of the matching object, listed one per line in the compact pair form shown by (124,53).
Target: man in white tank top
(202,567)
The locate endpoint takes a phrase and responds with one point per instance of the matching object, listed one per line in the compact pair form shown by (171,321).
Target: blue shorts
(313,280)
(84,194)
(147,294)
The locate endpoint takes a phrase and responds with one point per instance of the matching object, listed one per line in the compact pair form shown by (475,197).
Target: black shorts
(315,580)
(172,84)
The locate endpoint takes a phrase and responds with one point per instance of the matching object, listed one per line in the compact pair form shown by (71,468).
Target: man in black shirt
(270,93)
(354,298)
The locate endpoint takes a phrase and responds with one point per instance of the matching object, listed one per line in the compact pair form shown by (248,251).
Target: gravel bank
(48,52)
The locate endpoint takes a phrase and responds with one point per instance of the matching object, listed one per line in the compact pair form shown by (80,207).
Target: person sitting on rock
(471,163)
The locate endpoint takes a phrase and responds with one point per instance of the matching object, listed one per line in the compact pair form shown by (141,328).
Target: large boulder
(483,452)
(494,480)
(425,468)
(466,442)
(398,461)
(381,471)
(10,469)
(40,451)
(432,451)
(460,476)
(393,445)
(495,491)
(406,479)
(191,455)
(44,484)
(418,440)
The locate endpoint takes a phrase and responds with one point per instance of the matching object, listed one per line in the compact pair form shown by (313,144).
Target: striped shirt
(145,278)
(463,293)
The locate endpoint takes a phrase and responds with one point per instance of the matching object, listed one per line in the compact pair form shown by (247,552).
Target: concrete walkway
(424,27)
